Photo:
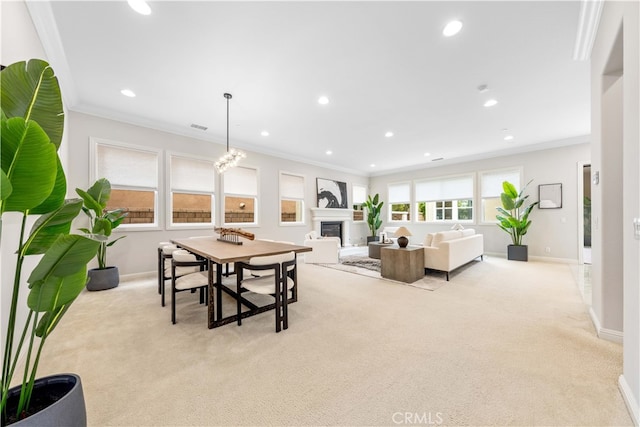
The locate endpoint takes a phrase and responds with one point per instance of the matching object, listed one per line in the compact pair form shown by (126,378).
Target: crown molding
(45,25)
(590,12)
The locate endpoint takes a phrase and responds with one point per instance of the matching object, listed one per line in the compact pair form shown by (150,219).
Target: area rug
(370,267)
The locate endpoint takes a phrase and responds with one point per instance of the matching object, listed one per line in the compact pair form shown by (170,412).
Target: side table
(402,264)
(374,249)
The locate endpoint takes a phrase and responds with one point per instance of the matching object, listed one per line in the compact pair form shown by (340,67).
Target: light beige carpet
(431,281)
(503,343)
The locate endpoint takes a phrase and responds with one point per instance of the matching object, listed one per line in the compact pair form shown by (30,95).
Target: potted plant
(102,223)
(33,183)
(514,219)
(374,209)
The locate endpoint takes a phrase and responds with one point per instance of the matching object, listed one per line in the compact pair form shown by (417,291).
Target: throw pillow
(457,227)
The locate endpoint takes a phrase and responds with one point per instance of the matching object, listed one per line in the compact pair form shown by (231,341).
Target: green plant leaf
(54,292)
(5,186)
(47,228)
(50,320)
(31,90)
(509,189)
(90,203)
(114,241)
(507,201)
(58,194)
(101,192)
(68,255)
(102,226)
(29,161)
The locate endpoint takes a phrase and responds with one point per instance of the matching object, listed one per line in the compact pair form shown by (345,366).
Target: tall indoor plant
(102,223)
(514,219)
(374,209)
(33,183)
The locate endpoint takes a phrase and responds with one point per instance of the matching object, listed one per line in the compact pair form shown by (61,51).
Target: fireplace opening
(331,229)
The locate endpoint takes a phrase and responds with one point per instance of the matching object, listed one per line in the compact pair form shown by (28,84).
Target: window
(240,196)
(133,174)
(192,191)
(491,188)
(445,199)
(400,201)
(291,199)
(359,197)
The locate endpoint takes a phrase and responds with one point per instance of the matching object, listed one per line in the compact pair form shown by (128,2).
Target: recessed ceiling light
(373,165)
(508,138)
(140,6)
(490,103)
(452,28)
(264,133)
(329,152)
(323,100)
(388,134)
(128,92)
(427,154)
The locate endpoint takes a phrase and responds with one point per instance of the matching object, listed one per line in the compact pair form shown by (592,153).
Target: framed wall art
(550,196)
(332,194)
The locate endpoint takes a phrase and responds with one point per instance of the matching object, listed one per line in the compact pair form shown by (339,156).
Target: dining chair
(283,279)
(188,282)
(165,252)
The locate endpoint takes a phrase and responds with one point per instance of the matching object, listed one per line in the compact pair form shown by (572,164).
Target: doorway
(586,214)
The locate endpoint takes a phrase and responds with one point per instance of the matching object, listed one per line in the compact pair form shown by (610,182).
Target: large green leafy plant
(514,213)
(102,221)
(374,209)
(33,183)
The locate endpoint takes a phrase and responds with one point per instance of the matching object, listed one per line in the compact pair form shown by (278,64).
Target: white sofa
(326,250)
(448,250)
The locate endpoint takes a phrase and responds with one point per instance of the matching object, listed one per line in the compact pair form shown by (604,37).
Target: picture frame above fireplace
(332,194)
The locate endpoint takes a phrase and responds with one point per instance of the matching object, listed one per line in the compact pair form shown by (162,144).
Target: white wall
(556,229)
(137,252)
(618,18)
(20,42)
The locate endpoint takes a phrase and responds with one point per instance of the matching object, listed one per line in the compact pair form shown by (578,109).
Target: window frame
(518,169)
(94,142)
(169,194)
(390,203)
(302,200)
(454,201)
(366,192)
(256,205)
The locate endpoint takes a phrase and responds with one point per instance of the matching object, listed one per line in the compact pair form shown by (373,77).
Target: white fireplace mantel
(318,215)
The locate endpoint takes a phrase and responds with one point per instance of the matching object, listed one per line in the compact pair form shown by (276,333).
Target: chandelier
(231,157)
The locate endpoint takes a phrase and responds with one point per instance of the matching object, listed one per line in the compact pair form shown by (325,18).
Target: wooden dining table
(219,254)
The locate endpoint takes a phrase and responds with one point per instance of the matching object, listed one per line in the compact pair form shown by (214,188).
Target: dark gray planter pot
(518,253)
(100,280)
(372,239)
(62,398)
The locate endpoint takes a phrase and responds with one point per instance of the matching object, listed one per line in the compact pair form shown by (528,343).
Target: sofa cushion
(468,232)
(443,236)
(428,239)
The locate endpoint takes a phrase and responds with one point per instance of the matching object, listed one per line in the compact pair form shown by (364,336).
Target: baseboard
(138,276)
(604,333)
(629,399)
(536,258)
(554,260)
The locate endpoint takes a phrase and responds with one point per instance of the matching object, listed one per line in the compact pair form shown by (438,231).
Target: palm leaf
(30,90)
(29,161)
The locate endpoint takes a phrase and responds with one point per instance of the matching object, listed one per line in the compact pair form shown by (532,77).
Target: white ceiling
(384,65)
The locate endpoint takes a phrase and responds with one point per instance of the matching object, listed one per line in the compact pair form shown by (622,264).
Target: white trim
(590,11)
(47,29)
(605,334)
(629,400)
